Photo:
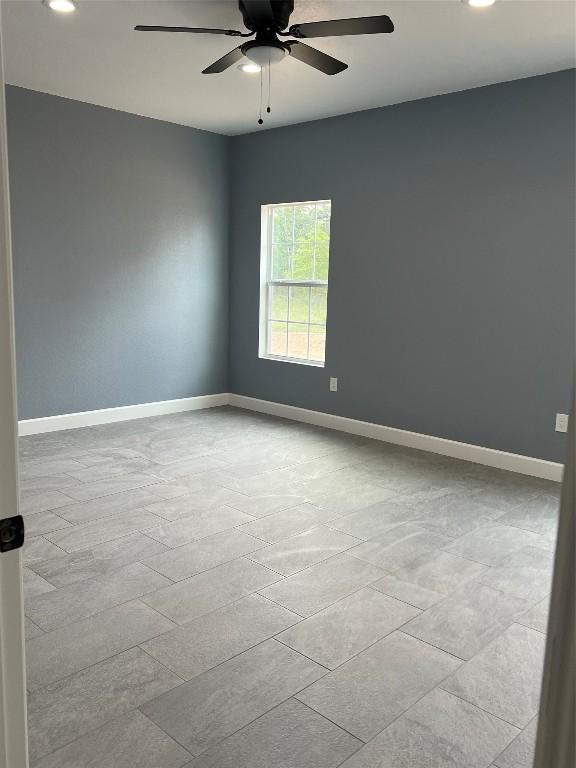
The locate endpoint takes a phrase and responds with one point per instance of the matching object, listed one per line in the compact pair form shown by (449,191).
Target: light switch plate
(561,422)
(333,384)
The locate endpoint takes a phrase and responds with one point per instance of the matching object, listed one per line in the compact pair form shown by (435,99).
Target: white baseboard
(123,413)
(513,462)
(490,457)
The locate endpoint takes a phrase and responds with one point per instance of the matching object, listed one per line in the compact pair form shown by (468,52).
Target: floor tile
(218,636)
(214,705)
(539,515)
(317,587)
(45,483)
(45,467)
(118,484)
(492,543)
(97,561)
(416,482)
(66,710)
(289,736)
(345,502)
(520,753)
(398,547)
(43,523)
(195,465)
(504,678)
(38,548)
(347,480)
(189,494)
(376,520)
(367,693)
(504,493)
(408,592)
(100,531)
(429,578)
(31,630)
(440,731)
(32,503)
(275,481)
(286,523)
(537,616)
(328,464)
(303,550)
(87,598)
(131,741)
(260,506)
(197,525)
(348,627)
(526,573)
(198,556)
(106,506)
(106,470)
(457,514)
(34,585)
(205,592)
(467,620)
(252,467)
(64,651)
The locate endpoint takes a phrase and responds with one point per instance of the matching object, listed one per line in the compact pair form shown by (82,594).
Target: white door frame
(555,743)
(13,722)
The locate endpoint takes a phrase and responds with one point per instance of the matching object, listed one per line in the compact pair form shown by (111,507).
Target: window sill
(293,360)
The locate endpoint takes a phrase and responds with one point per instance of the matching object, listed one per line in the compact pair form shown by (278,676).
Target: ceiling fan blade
(194,30)
(226,61)
(363,25)
(327,64)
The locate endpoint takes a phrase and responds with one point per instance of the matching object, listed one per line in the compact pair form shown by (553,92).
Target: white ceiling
(93,55)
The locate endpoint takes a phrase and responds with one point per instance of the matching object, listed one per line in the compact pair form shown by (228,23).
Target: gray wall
(120,239)
(451,298)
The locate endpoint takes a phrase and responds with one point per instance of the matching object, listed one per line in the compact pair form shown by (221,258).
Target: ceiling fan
(267,19)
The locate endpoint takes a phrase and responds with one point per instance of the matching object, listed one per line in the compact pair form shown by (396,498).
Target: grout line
(438,648)
(325,717)
(280,605)
(169,735)
(412,605)
(327,670)
(520,728)
(161,664)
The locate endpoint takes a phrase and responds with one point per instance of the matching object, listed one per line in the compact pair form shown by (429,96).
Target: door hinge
(11,533)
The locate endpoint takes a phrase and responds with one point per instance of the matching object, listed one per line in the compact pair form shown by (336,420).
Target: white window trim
(265,281)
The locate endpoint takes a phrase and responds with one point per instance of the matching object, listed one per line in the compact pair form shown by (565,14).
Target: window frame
(266,282)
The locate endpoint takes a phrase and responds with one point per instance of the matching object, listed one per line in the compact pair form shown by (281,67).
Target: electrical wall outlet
(333,384)
(561,422)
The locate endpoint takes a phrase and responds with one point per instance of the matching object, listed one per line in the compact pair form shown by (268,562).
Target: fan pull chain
(269,84)
(260,121)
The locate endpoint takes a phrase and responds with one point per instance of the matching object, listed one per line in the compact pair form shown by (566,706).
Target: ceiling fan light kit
(479,3)
(268,20)
(60,6)
(264,55)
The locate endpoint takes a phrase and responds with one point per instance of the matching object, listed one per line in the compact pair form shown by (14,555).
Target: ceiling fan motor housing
(266,16)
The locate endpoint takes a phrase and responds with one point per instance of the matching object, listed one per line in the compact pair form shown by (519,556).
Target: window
(294,281)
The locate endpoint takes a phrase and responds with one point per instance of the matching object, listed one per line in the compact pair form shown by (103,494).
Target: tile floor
(223,589)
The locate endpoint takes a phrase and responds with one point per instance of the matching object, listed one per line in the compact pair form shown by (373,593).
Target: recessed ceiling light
(251,67)
(479,3)
(61,6)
